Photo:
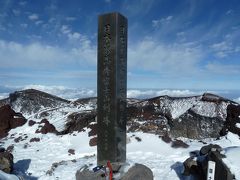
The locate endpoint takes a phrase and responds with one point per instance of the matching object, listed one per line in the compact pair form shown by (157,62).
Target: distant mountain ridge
(195,117)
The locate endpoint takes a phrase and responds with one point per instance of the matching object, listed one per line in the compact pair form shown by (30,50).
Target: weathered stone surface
(34,140)
(93,131)
(9,119)
(112,88)
(31,122)
(6,115)
(6,162)
(233,117)
(166,138)
(190,167)
(46,128)
(78,120)
(157,115)
(71,151)
(211,147)
(90,175)
(16,122)
(179,144)
(138,172)
(193,126)
(93,141)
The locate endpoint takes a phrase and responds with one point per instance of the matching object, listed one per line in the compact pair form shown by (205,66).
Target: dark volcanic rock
(71,151)
(9,120)
(93,131)
(31,122)
(6,162)
(46,128)
(233,117)
(34,140)
(166,138)
(93,141)
(6,115)
(195,126)
(78,120)
(195,117)
(4,101)
(179,144)
(18,139)
(16,122)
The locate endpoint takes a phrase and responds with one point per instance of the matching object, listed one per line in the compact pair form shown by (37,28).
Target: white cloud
(155,93)
(38,22)
(72,36)
(222,46)
(33,17)
(24,25)
(142,7)
(16,12)
(223,49)
(230,11)
(64,92)
(74,93)
(65,29)
(162,21)
(164,58)
(2,28)
(218,68)
(22,3)
(37,55)
(70,18)
(107,1)
(51,20)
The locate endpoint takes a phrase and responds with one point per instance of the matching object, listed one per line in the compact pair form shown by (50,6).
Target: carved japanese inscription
(112,87)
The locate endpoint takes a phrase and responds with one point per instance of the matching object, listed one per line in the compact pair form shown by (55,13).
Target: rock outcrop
(46,127)
(9,119)
(232,123)
(138,172)
(6,161)
(31,101)
(195,117)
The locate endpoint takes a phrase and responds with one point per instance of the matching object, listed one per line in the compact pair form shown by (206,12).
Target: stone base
(136,172)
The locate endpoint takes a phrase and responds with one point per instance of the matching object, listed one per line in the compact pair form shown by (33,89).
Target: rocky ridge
(195,117)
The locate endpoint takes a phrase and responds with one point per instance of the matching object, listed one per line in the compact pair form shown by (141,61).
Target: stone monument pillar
(112,87)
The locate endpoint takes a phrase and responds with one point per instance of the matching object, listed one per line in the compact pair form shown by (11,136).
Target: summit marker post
(111,88)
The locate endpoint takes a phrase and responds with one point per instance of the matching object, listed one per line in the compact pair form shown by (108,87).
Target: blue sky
(176,44)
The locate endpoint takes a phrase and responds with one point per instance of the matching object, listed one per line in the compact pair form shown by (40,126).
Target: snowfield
(35,160)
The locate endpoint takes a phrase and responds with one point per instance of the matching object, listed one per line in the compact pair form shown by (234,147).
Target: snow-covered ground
(34,160)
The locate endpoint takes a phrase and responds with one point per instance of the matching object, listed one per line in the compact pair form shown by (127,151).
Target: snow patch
(238,125)
(237,100)
(179,106)
(5,176)
(233,160)
(3,95)
(210,109)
